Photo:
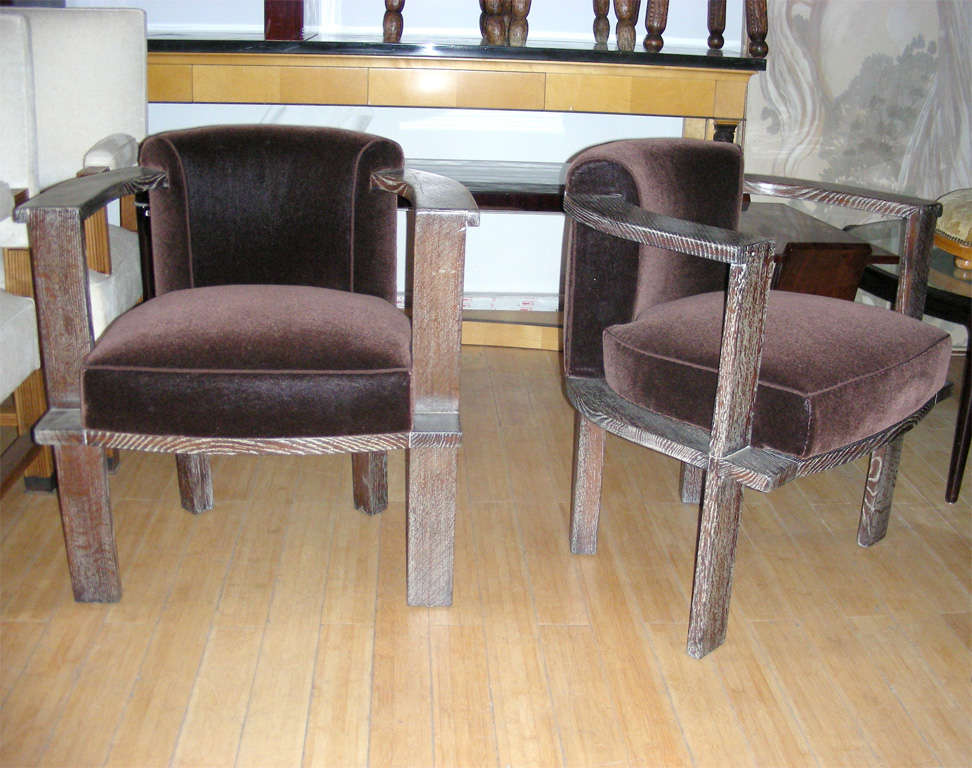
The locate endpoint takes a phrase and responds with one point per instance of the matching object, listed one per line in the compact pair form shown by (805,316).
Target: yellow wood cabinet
(261,78)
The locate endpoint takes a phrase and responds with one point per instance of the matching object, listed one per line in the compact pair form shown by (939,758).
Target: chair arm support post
(919,216)
(441,211)
(739,361)
(437,244)
(55,221)
(915,250)
(60,275)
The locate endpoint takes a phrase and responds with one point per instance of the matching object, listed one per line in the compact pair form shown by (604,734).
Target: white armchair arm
(119,150)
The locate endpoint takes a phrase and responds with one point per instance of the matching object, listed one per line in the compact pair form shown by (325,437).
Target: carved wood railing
(504,22)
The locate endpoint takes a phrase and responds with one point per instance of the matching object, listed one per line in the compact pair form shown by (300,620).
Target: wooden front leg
(430,524)
(369,475)
(89,536)
(714,561)
(586,487)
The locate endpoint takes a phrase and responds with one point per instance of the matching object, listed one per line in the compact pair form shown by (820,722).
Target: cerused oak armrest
(750,261)
(55,225)
(441,211)
(919,215)
(613,215)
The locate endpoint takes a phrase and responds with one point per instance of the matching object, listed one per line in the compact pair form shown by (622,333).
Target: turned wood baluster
(602,27)
(483,16)
(393,22)
(756,27)
(717,24)
(627,13)
(519,26)
(507,20)
(496,30)
(656,19)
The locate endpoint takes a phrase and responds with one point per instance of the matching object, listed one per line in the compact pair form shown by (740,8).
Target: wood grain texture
(613,215)
(882,472)
(714,562)
(430,529)
(89,536)
(586,485)
(717,24)
(195,482)
(62,426)
(690,482)
(369,477)
(656,19)
(97,248)
(540,85)
(16,272)
(790,687)
(756,28)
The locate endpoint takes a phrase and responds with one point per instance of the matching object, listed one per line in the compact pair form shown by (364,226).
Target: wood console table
(706,89)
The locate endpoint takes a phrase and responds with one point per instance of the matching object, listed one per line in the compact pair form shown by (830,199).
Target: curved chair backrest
(610,281)
(272,204)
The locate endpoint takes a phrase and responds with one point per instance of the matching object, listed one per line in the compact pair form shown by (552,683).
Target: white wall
(558,19)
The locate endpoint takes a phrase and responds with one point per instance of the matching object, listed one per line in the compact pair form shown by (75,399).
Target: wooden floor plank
(710,723)
(95,705)
(39,698)
(646,716)
(401,672)
(339,722)
(832,731)
(461,710)
(584,705)
(218,705)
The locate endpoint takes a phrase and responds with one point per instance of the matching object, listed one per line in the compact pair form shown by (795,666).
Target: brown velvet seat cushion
(252,361)
(833,371)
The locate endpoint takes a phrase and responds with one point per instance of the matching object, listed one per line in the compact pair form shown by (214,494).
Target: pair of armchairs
(275,331)
(73,94)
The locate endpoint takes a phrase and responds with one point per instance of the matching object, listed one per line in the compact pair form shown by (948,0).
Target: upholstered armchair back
(611,281)
(281,205)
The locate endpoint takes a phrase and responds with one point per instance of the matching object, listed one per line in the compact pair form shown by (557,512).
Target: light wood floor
(274,631)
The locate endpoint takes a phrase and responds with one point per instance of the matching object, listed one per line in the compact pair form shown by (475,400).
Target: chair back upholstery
(272,204)
(610,281)
(18,127)
(88,70)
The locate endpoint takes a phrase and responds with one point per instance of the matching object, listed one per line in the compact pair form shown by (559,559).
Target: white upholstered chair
(72,86)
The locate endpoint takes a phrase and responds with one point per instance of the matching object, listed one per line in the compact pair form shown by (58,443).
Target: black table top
(540,49)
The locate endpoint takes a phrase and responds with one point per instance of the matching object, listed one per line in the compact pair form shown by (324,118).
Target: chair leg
(89,536)
(195,482)
(430,524)
(963,432)
(369,474)
(586,491)
(715,556)
(876,507)
(690,482)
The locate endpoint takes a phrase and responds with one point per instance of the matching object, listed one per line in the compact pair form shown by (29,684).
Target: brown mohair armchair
(674,341)
(274,329)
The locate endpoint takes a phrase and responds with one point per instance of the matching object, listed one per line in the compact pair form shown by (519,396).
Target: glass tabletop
(941,273)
